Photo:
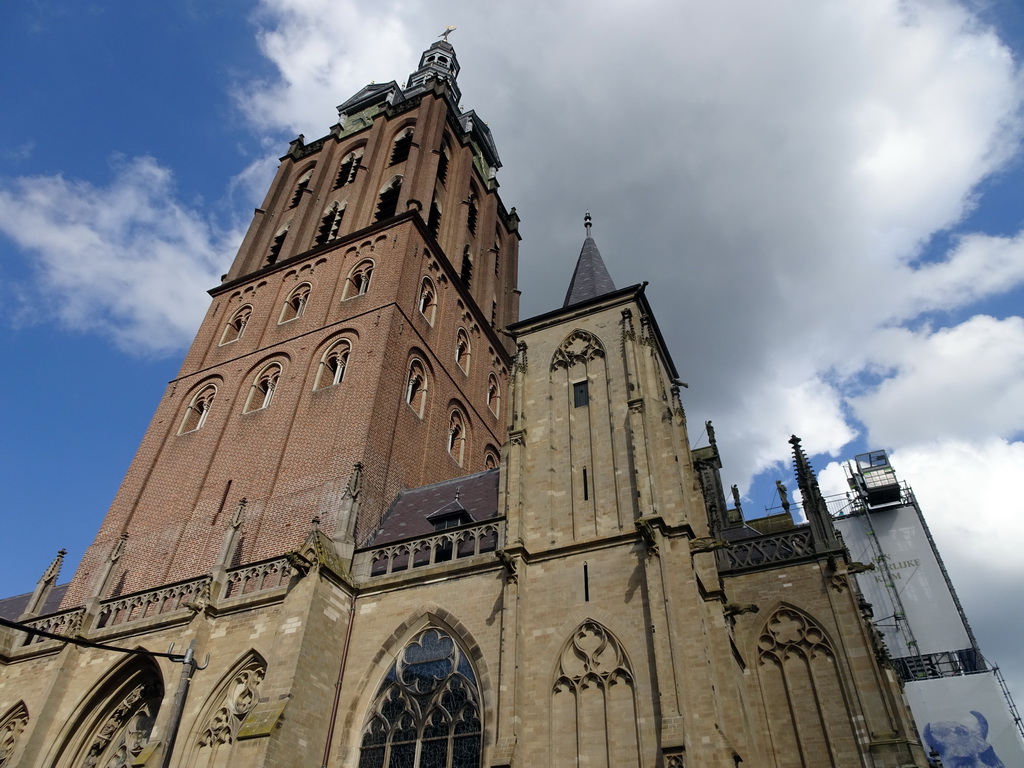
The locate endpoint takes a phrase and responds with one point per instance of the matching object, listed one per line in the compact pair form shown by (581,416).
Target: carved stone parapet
(769,549)
(65,623)
(453,544)
(258,577)
(154,602)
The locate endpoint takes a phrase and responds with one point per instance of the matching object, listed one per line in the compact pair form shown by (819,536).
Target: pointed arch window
(427,712)
(493,394)
(428,300)
(491,458)
(198,409)
(236,325)
(387,203)
(434,220)
(462,350)
(466,273)
(471,213)
(330,224)
(236,697)
(277,245)
(295,303)
(12,726)
(402,145)
(358,281)
(300,187)
(457,435)
(497,251)
(442,165)
(333,365)
(115,725)
(416,388)
(348,168)
(263,387)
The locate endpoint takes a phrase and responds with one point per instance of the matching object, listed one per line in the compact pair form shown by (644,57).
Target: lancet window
(387,203)
(493,394)
(348,168)
(427,711)
(428,300)
(462,350)
(400,150)
(237,696)
(11,727)
(301,187)
(330,224)
(457,435)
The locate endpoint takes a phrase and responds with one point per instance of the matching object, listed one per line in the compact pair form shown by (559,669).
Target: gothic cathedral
(396,526)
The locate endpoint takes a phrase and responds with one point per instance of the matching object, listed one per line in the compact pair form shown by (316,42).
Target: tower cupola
(438,62)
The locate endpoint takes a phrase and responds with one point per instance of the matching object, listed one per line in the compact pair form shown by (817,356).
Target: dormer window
(453,520)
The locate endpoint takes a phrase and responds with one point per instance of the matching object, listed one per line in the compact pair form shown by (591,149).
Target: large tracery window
(427,711)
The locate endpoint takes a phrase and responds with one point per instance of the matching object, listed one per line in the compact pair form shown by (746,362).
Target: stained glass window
(427,711)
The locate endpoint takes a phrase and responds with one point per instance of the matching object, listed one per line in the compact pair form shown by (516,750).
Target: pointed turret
(591,278)
(813,502)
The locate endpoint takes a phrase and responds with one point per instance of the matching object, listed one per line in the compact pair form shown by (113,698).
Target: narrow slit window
(586,486)
(586,583)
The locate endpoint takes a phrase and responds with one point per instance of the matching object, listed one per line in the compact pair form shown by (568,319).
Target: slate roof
(12,607)
(591,278)
(411,512)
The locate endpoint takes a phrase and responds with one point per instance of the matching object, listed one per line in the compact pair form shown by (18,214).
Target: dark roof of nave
(591,278)
(411,512)
(11,608)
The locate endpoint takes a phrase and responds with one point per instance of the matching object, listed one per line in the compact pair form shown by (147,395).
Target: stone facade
(590,601)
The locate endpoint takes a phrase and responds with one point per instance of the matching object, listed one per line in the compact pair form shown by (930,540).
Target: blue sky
(826,198)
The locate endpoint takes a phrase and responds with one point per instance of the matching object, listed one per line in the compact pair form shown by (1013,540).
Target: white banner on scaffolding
(966,720)
(916,577)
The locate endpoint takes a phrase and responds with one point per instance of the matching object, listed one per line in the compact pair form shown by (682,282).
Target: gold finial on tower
(447,31)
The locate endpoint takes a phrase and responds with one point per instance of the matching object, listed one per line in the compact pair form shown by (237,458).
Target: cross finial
(588,222)
(447,31)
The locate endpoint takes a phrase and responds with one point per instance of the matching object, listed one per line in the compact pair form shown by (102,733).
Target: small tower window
(442,165)
(466,273)
(434,221)
(462,350)
(456,436)
(428,300)
(471,214)
(236,325)
(301,187)
(416,388)
(358,281)
(387,203)
(333,365)
(400,151)
(330,224)
(275,247)
(491,459)
(295,303)
(198,409)
(493,394)
(262,390)
(580,394)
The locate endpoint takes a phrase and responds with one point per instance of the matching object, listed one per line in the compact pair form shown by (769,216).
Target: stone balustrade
(452,544)
(768,549)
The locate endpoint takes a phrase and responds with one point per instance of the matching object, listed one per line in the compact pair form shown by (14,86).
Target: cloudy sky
(827,199)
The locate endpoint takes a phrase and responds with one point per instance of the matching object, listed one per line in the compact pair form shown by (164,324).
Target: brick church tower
(408,530)
(352,347)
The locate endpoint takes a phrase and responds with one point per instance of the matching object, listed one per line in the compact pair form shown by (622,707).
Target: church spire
(591,278)
(439,63)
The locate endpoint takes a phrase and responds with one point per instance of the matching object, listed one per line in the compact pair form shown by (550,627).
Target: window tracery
(348,169)
(330,224)
(295,303)
(416,387)
(237,698)
(198,409)
(462,350)
(428,300)
(263,387)
(387,202)
(578,347)
(11,728)
(457,435)
(427,711)
(358,281)
(333,365)
(236,325)
(300,187)
(401,147)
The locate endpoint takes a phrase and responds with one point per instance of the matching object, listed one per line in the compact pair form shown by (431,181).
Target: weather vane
(447,31)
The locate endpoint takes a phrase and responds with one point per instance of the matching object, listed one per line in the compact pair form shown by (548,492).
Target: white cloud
(127,260)
(963,382)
